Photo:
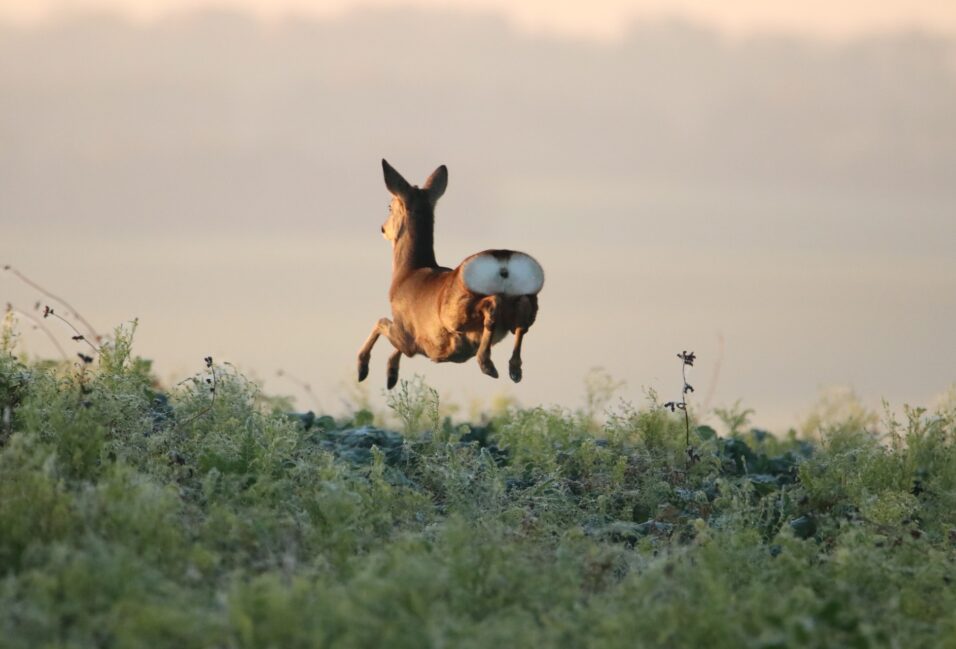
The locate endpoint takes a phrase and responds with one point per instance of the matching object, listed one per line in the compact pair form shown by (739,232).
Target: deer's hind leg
(488,308)
(393,368)
(526,309)
(514,365)
(382,328)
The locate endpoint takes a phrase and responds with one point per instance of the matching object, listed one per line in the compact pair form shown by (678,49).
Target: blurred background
(771,185)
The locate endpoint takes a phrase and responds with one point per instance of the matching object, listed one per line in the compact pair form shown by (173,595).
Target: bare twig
(47,312)
(687,359)
(71,311)
(38,324)
(82,401)
(212,389)
(715,376)
(306,387)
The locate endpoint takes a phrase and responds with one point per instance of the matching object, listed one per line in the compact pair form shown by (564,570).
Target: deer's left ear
(436,184)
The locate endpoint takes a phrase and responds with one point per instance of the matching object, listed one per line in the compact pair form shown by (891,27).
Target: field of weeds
(207,515)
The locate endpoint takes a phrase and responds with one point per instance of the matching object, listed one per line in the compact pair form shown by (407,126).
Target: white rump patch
(509,273)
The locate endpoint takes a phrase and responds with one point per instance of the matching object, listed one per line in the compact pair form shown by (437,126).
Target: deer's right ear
(436,184)
(397,185)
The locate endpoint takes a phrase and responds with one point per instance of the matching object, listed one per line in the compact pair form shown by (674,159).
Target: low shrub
(206,516)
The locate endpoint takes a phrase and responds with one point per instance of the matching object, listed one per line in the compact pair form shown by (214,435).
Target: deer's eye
(383,229)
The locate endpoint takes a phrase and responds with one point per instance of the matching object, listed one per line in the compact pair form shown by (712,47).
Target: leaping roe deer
(448,314)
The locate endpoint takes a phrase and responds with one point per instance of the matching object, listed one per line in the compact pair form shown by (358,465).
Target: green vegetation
(206,517)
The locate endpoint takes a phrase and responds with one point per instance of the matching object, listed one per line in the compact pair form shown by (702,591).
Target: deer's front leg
(381,328)
(489,310)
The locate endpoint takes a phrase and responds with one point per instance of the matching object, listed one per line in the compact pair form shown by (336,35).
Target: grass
(207,516)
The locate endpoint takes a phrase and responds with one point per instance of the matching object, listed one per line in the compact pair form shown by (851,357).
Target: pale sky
(596,18)
(219,179)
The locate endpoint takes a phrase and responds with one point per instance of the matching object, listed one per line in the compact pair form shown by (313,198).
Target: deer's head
(412,210)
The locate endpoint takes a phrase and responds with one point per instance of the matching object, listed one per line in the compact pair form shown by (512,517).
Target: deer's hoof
(392,379)
(489,369)
(514,370)
(362,370)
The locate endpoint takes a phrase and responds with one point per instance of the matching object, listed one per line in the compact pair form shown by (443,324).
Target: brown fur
(433,312)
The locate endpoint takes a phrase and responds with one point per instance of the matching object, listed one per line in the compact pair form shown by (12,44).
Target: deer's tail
(503,272)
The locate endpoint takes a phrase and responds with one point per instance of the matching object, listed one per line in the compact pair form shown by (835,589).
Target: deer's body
(449,315)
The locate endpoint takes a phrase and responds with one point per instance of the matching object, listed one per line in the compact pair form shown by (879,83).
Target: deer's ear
(397,185)
(436,184)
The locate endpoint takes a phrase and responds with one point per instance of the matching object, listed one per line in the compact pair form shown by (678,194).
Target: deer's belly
(458,347)
(455,347)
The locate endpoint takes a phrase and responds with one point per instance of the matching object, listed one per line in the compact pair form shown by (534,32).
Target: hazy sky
(600,18)
(219,178)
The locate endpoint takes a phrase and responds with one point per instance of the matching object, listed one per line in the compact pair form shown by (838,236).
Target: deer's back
(414,297)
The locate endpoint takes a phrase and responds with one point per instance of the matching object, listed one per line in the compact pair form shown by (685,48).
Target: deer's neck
(415,249)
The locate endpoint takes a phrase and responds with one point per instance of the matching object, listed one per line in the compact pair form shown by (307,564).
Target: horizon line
(285,16)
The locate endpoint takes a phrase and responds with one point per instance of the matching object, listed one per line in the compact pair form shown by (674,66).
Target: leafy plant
(204,515)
